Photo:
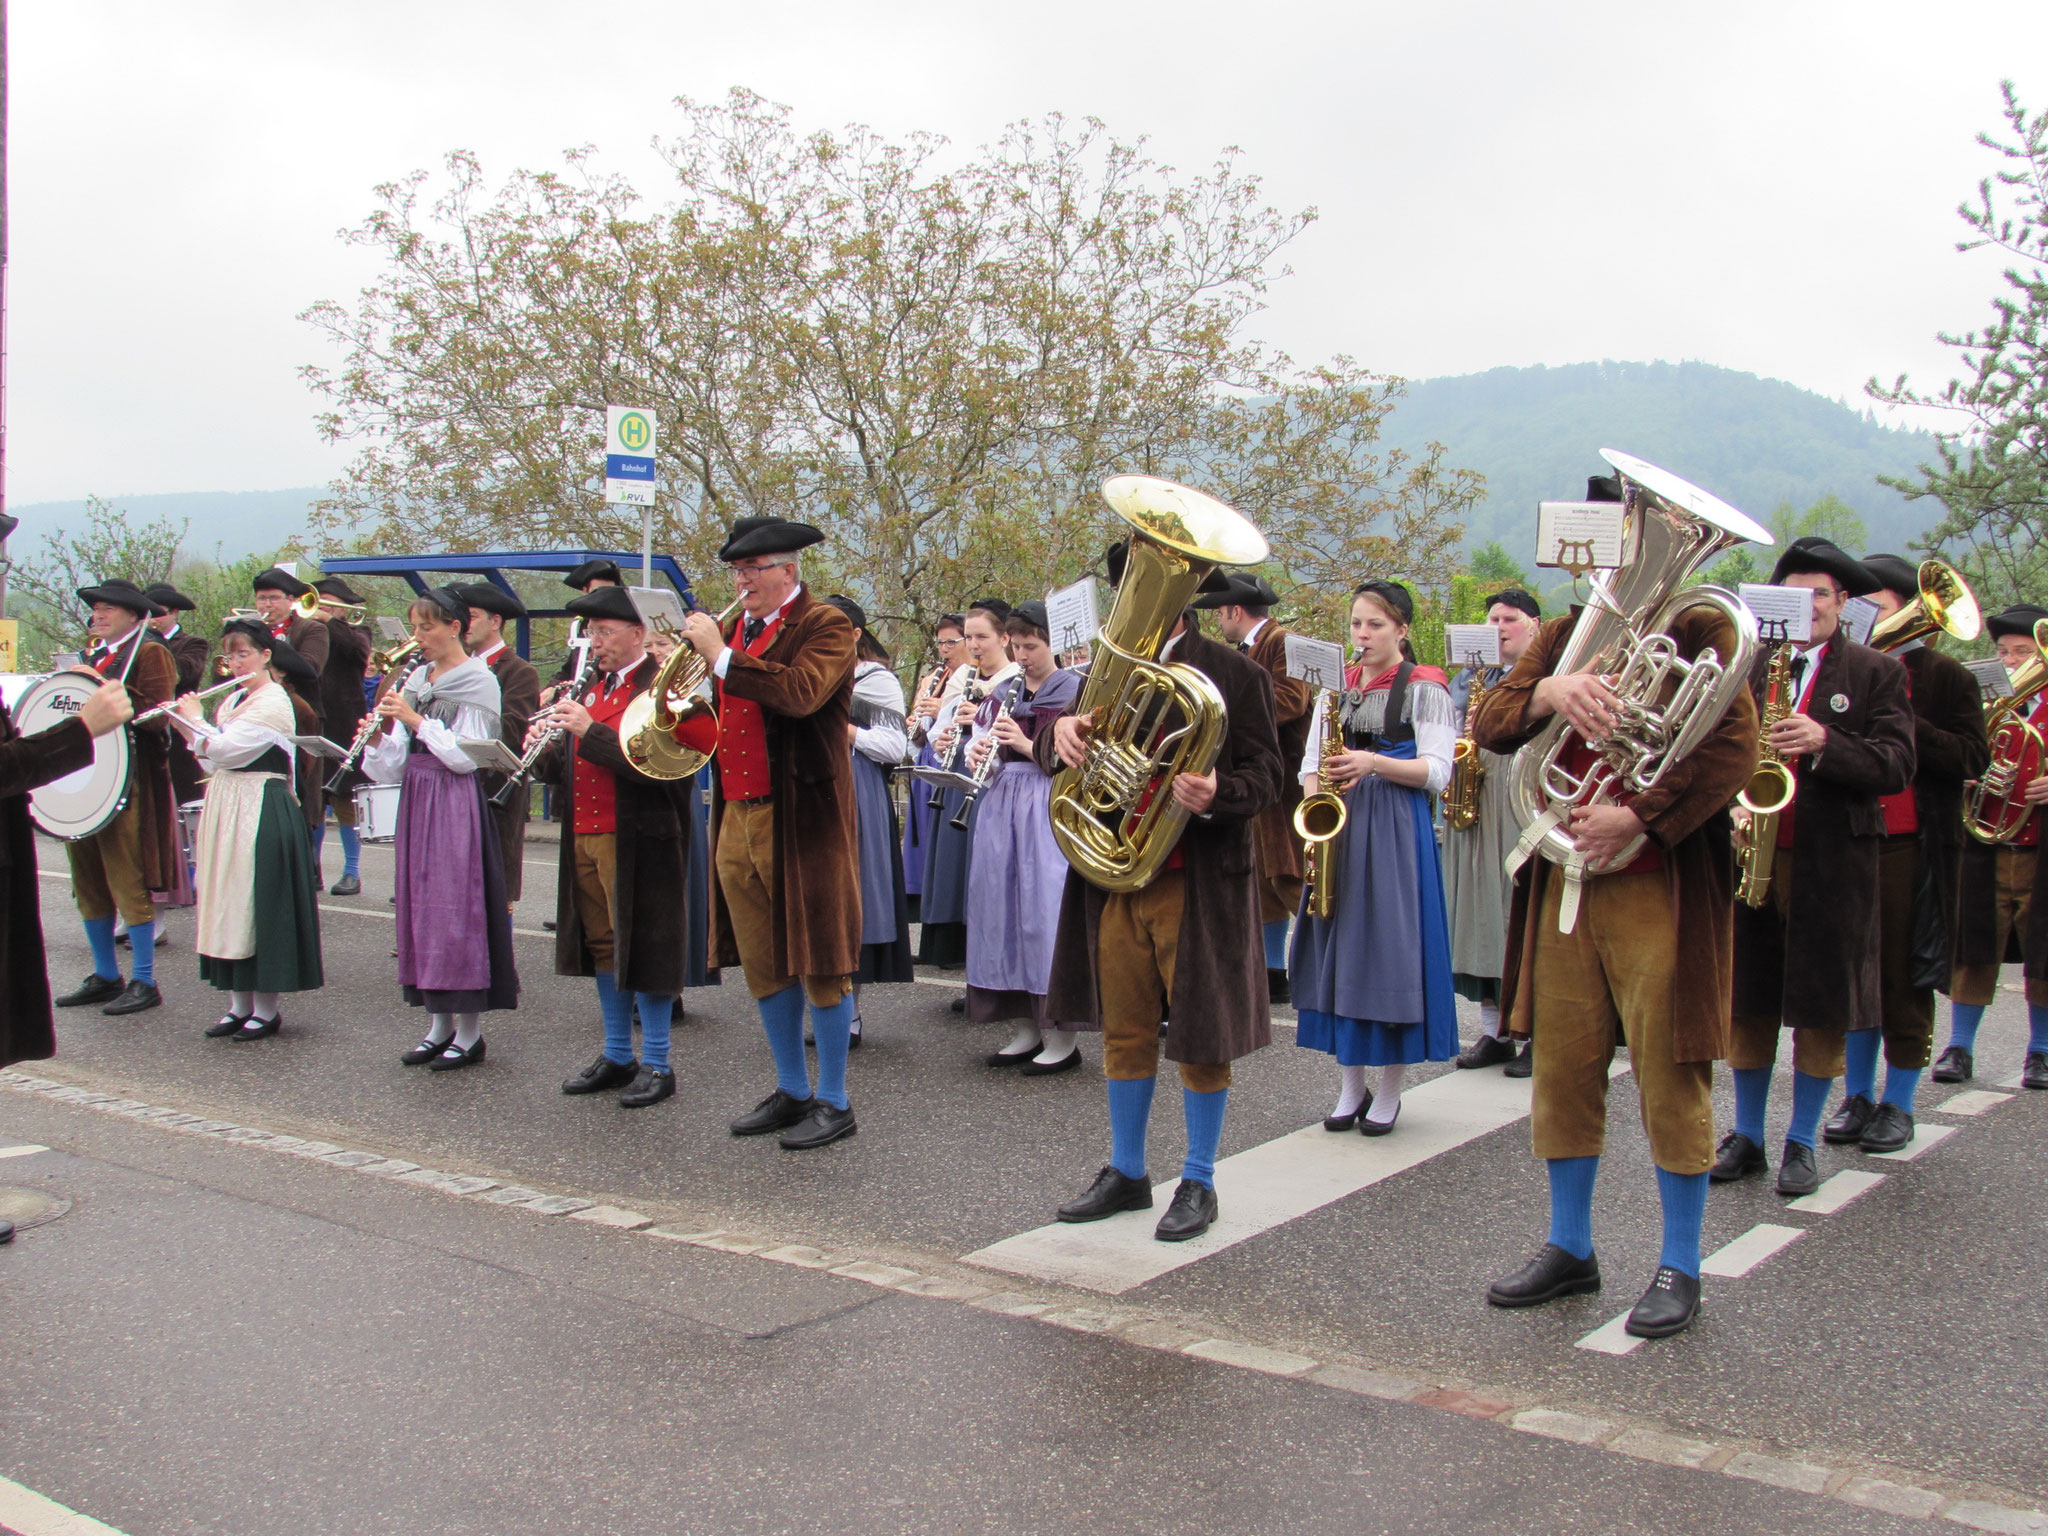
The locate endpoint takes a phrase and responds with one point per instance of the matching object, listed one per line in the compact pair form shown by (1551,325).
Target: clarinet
(1004,711)
(956,756)
(518,781)
(370,722)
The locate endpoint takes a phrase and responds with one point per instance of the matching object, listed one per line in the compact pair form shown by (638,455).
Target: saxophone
(1468,768)
(1320,817)
(1770,788)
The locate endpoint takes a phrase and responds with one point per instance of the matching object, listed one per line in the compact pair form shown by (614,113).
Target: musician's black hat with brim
(594,570)
(606,603)
(122,594)
(451,603)
(168,597)
(1242,589)
(481,594)
(336,588)
(853,611)
(1117,554)
(1032,612)
(284,655)
(2019,620)
(752,536)
(997,608)
(1894,574)
(275,580)
(1816,554)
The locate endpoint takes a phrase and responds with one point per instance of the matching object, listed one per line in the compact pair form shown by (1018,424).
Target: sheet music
(1316,662)
(1782,613)
(1579,535)
(1472,645)
(1993,681)
(1859,617)
(1072,614)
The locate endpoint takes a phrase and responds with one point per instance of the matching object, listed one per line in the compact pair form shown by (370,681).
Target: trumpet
(348,613)
(1320,817)
(395,659)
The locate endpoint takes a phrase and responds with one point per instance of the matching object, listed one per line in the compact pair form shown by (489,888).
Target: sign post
(629,479)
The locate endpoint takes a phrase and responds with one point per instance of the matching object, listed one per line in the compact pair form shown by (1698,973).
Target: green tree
(1492,565)
(1831,518)
(46,585)
(1992,469)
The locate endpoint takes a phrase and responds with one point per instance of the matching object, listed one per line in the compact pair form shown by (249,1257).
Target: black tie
(751,630)
(1798,673)
(1244,645)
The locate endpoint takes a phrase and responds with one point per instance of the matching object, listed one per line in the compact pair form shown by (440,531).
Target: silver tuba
(1668,704)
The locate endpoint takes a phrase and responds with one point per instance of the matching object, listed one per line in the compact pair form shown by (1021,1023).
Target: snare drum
(82,803)
(188,824)
(377,812)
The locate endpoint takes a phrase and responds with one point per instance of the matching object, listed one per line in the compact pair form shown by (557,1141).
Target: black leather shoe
(94,989)
(1890,1130)
(1955,1065)
(425,1052)
(602,1074)
(1737,1158)
(1523,1064)
(1797,1173)
(454,1058)
(1347,1122)
(2035,1073)
(1667,1307)
(1110,1193)
(1066,1063)
(347,885)
(229,1023)
(137,997)
(1551,1274)
(958,1005)
(548,923)
(820,1128)
(6,1233)
(652,1086)
(1277,989)
(1486,1051)
(1848,1121)
(1189,1214)
(777,1112)
(258,1029)
(1367,1126)
(1012,1058)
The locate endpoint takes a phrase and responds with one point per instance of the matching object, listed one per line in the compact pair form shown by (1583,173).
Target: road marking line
(1838,1191)
(1925,1137)
(1749,1250)
(1611,1339)
(22,1151)
(27,1512)
(2014,1080)
(1971,1101)
(387,916)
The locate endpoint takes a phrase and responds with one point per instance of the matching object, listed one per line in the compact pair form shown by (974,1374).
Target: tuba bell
(1995,808)
(1146,723)
(1667,704)
(1945,606)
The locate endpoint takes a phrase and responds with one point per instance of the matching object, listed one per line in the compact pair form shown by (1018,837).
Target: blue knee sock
(1204,1113)
(1809,1099)
(1860,1076)
(99,933)
(351,851)
(1901,1085)
(1276,944)
(655,1015)
(832,1028)
(1963,1019)
(782,1019)
(319,842)
(1571,1203)
(1752,1094)
(1684,1196)
(143,937)
(617,1008)
(2037,1027)
(1130,1111)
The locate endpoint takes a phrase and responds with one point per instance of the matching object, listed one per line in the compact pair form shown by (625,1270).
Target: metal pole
(646,534)
(5,523)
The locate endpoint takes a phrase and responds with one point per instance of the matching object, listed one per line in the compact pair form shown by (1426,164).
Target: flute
(172,707)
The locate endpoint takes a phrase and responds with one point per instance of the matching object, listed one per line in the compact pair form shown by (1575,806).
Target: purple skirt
(1014,886)
(454,924)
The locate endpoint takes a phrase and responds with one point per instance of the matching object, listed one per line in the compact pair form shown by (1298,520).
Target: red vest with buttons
(743,730)
(595,791)
(1901,812)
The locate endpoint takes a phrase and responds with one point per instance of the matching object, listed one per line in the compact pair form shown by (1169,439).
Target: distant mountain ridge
(1536,434)
(236,522)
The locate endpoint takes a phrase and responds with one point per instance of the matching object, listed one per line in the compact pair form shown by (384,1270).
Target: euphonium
(1468,768)
(1114,817)
(1770,788)
(1320,817)
(647,728)
(1995,807)
(1945,605)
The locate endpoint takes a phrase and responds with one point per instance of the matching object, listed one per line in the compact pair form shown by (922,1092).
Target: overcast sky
(1766,186)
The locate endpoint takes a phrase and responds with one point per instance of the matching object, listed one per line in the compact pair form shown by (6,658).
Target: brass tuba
(1945,606)
(1668,704)
(1995,808)
(647,728)
(1145,722)
(1320,817)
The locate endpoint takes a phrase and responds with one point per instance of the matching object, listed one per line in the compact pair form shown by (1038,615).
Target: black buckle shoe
(2035,1073)
(1849,1121)
(1737,1158)
(1797,1172)
(1188,1214)
(1111,1193)
(652,1086)
(1524,1062)
(777,1112)
(94,989)
(229,1023)
(257,1029)
(1890,1130)
(1277,988)
(602,1074)
(425,1051)
(136,997)
(1954,1065)
(454,1058)
(1551,1274)
(820,1128)
(347,885)
(1066,1063)
(1486,1051)
(1347,1122)
(1667,1307)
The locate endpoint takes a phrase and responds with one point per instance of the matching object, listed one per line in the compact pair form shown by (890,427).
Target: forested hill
(1535,433)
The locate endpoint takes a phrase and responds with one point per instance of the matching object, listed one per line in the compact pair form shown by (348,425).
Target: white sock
(1351,1094)
(469,1028)
(1489,1020)
(1386,1103)
(264,1005)
(1055,1045)
(239,1004)
(1026,1039)
(440,1028)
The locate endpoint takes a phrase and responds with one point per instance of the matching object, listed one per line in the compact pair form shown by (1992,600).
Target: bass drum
(81,803)
(377,812)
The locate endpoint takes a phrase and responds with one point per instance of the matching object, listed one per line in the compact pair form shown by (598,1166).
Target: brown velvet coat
(1219,1007)
(651,916)
(519,695)
(1686,816)
(152,681)
(1949,747)
(1819,969)
(804,685)
(27,1032)
(1274,838)
(190,652)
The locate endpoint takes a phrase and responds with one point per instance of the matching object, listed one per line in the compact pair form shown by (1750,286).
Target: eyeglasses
(947,645)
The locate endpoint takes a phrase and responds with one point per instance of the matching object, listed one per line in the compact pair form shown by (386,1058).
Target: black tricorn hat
(1118,553)
(856,614)
(767,536)
(336,588)
(283,655)
(594,570)
(275,580)
(1243,590)
(481,594)
(1814,553)
(122,594)
(1894,574)
(8,524)
(1603,488)
(2019,620)
(606,603)
(168,597)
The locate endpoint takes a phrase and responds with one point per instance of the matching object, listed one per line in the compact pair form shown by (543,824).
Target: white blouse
(886,741)
(250,725)
(384,762)
(1427,708)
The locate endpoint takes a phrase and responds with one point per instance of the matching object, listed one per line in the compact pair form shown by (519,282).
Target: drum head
(80,803)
